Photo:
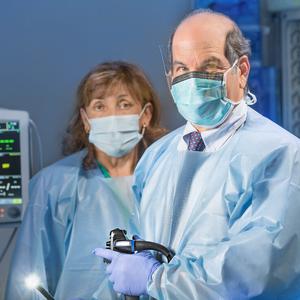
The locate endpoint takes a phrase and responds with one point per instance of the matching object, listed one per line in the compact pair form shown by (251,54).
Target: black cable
(141,245)
(8,244)
(39,142)
(44,292)
(131,297)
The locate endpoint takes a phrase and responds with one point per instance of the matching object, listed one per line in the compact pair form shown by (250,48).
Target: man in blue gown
(223,191)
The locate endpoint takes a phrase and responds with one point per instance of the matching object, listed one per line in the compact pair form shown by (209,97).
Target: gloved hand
(129,272)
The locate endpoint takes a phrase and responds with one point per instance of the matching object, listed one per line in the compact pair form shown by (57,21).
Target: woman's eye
(125,105)
(99,107)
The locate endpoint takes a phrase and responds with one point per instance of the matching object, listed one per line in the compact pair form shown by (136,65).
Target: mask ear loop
(82,111)
(141,113)
(250,98)
(143,110)
(227,71)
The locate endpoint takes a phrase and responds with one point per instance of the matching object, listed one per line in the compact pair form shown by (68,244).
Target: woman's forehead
(111,89)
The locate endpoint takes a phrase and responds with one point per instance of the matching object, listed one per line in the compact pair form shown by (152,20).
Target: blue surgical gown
(232,216)
(71,212)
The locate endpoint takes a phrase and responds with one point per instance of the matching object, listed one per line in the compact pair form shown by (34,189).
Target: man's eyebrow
(211,60)
(177,62)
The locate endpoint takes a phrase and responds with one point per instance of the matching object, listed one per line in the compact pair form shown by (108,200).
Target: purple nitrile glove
(129,272)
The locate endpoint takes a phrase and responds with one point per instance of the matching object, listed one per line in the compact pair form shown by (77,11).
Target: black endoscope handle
(131,297)
(118,234)
(117,237)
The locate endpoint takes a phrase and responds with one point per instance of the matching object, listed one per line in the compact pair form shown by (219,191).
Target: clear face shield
(184,62)
(199,86)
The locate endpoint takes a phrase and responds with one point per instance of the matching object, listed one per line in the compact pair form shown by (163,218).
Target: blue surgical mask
(200,98)
(116,135)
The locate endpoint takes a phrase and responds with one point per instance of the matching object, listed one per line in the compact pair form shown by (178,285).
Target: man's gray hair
(236,45)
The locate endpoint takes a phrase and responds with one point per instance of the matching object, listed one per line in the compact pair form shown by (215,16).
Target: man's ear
(244,67)
(85,120)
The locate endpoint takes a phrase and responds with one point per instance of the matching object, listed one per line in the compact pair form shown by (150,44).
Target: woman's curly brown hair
(105,77)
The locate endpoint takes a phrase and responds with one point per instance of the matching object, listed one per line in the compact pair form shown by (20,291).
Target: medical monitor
(14,164)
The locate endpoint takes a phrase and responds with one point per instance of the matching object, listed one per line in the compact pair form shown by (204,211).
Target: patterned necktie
(195,142)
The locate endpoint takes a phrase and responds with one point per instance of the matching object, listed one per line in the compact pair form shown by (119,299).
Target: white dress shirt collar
(215,138)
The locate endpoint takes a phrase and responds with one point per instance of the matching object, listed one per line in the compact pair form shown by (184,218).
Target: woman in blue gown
(75,202)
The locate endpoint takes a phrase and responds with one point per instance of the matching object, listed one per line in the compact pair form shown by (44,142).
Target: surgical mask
(200,97)
(116,135)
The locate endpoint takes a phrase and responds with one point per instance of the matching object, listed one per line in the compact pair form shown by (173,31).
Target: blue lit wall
(48,46)
(262,81)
